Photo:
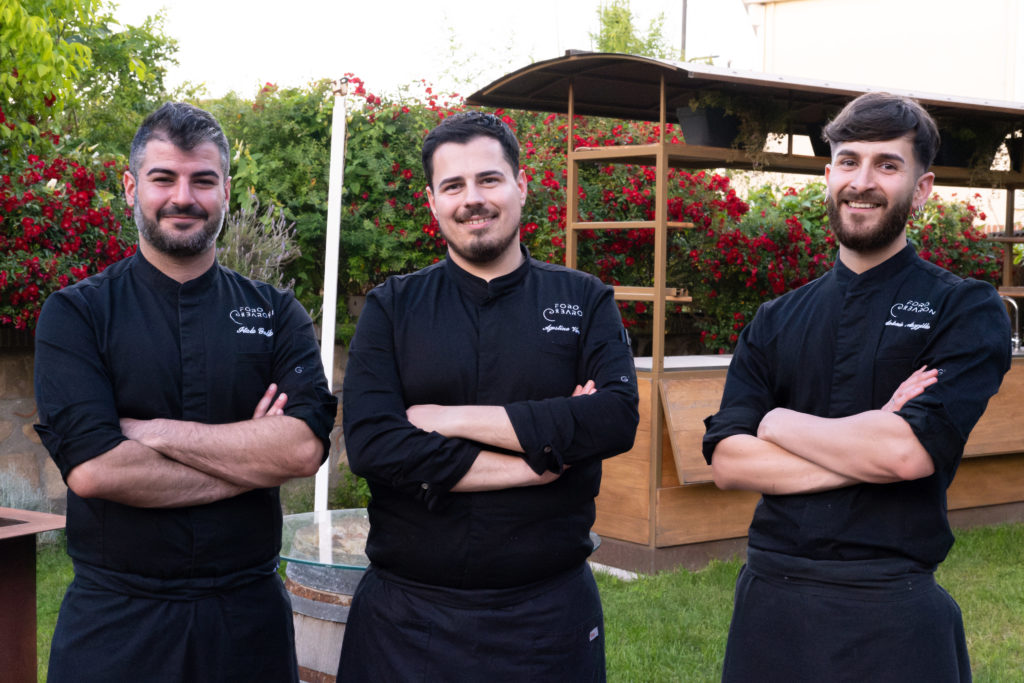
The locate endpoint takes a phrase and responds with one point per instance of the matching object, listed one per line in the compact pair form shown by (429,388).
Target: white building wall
(969,49)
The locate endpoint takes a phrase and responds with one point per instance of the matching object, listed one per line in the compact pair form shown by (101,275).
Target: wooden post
(18,529)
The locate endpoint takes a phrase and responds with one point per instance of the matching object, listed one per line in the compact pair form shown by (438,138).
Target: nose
(863,179)
(181,194)
(474,197)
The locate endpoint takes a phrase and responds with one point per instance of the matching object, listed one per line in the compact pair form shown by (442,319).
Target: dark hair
(184,126)
(463,127)
(877,116)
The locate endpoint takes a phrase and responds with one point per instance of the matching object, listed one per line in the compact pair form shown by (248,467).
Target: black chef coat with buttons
(132,342)
(841,345)
(523,341)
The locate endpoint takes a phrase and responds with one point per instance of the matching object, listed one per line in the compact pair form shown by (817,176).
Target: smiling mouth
(863,205)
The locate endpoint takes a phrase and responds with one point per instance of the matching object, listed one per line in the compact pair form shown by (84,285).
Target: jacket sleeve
(78,417)
(748,396)
(971,349)
(299,373)
(567,430)
(382,445)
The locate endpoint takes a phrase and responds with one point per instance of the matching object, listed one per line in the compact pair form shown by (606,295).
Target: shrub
(943,232)
(60,223)
(258,244)
(731,268)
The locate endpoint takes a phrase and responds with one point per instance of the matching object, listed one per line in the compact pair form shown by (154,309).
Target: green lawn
(672,626)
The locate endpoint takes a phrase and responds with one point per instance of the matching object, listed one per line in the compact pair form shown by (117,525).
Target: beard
(171,244)
(481,249)
(869,240)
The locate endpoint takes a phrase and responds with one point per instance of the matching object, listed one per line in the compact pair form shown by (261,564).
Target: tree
(41,56)
(123,82)
(619,34)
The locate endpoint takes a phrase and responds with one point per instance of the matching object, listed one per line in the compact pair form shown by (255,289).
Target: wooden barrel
(320,597)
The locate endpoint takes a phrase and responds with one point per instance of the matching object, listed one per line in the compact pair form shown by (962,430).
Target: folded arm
(132,474)
(264,451)
(795,452)
(488,425)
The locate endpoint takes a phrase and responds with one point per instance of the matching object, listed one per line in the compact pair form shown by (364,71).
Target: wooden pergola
(645,500)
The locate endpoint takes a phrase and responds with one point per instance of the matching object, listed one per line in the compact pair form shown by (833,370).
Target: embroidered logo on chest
(563,318)
(911,315)
(253,321)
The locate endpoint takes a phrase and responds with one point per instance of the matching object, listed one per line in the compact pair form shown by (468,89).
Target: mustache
(192,211)
(866,197)
(470,214)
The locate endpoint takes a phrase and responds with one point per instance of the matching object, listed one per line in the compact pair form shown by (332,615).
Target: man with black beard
(480,396)
(175,396)
(847,405)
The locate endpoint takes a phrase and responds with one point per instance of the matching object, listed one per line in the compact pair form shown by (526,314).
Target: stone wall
(28,477)
(24,463)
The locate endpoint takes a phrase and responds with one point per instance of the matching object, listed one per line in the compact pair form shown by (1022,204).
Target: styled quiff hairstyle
(463,127)
(184,126)
(878,116)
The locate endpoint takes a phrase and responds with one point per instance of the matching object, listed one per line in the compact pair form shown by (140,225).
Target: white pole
(330,304)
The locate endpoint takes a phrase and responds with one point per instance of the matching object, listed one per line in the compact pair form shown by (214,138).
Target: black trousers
(224,631)
(790,626)
(402,631)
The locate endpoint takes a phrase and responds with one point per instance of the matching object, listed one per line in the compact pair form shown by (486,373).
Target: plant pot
(818,144)
(1015,147)
(954,152)
(708,126)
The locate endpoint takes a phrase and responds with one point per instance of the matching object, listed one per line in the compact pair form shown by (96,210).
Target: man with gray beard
(175,396)
(847,404)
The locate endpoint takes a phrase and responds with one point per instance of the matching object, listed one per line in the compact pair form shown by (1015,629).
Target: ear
(129,188)
(521,184)
(227,192)
(923,189)
(430,200)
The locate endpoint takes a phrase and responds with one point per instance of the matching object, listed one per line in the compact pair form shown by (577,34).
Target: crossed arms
(488,425)
(174,463)
(796,452)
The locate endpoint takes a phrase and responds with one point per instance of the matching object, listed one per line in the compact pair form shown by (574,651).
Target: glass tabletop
(335,538)
(330,538)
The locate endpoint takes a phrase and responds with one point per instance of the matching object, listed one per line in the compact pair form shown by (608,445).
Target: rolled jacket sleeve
(381,443)
(748,395)
(971,349)
(78,417)
(298,372)
(561,431)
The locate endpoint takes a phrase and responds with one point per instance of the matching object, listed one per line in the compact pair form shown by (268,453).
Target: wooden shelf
(625,225)
(674,294)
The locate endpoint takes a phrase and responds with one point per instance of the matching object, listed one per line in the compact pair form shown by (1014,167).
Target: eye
(451,187)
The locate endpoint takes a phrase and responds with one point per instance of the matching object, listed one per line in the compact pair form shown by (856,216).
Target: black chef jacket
(841,345)
(524,341)
(132,342)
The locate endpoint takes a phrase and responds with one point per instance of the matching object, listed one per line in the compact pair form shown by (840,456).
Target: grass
(672,626)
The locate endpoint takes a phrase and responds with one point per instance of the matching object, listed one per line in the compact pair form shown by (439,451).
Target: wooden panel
(689,397)
(701,512)
(624,504)
(1001,428)
(988,481)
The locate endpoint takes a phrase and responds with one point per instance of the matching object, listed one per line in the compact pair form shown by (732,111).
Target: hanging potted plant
(721,119)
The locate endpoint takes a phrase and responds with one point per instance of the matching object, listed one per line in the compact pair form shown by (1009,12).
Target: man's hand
(486,424)
(267,404)
(911,387)
(585,390)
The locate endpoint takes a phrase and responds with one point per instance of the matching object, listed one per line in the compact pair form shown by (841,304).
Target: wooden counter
(672,503)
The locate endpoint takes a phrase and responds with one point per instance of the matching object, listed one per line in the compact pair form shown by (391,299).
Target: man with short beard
(847,405)
(175,396)
(480,397)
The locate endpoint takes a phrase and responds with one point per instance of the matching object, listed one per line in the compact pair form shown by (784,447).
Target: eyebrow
(198,174)
(888,156)
(481,174)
